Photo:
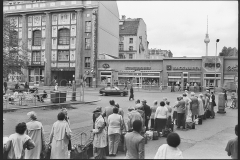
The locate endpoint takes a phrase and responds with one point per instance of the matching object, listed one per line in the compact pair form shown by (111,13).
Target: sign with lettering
(187,68)
(211,63)
(232,68)
(151,74)
(137,68)
(105,65)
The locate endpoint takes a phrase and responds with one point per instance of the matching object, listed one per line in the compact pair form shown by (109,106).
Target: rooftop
(129,27)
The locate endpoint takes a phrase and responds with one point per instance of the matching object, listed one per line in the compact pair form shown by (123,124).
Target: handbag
(166,131)
(79,151)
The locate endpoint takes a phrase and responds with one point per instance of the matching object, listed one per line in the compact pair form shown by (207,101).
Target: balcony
(35,63)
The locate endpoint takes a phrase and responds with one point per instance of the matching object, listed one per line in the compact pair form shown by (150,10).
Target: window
(121,39)
(130,56)
(121,47)
(130,48)
(37,36)
(130,40)
(63,55)
(14,39)
(88,26)
(64,36)
(121,56)
(87,62)
(36,56)
(87,43)
(73,16)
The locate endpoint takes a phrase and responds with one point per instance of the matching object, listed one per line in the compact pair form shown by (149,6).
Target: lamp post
(215,81)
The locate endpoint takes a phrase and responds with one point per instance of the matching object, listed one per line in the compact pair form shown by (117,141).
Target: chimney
(123,17)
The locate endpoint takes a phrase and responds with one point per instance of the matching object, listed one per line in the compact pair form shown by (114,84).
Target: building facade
(64,38)
(133,42)
(169,71)
(159,54)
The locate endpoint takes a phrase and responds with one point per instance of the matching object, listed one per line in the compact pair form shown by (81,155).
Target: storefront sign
(63,64)
(233,69)
(36,63)
(151,74)
(212,63)
(125,74)
(187,68)
(105,66)
(137,68)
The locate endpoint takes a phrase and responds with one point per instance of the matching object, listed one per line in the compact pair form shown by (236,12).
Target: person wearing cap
(100,136)
(181,107)
(147,112)
(36,133)
(201,107)
(132,116)
(194,106)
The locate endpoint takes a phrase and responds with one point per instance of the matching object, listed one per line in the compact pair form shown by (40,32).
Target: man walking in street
(147,111)
(232,146)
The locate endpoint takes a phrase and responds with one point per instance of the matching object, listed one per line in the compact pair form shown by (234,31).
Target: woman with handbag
(18,142)
(100,136)
(59,138)
(64,110)
(35,131)
(115,126)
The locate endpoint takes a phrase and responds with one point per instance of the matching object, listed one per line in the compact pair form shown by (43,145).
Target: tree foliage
(170,54)
(14,57)
(230,52)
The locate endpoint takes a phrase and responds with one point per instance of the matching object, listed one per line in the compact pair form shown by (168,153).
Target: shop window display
(150,81)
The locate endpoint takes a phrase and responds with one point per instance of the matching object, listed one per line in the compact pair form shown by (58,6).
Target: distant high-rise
(207,40)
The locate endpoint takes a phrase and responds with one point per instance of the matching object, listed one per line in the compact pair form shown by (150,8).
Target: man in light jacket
(135,143)
(181,107)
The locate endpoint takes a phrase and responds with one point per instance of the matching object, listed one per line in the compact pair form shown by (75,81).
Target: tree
(170,54)
(14,57)
(230,52)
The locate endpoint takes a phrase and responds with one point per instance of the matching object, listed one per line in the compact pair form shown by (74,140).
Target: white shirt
(161,112)
(167,152)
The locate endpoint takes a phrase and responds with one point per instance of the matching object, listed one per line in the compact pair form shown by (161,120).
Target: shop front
(230,70)
(36,75)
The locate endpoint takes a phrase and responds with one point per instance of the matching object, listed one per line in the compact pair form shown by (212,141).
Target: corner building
(64,38)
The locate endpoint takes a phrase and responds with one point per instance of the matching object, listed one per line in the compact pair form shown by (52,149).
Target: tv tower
(207,40)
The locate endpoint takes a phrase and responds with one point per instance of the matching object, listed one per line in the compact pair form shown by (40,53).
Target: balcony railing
(35,63)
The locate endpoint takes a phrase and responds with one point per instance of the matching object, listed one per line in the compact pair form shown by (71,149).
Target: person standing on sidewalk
(201,106)
(212,104)
(5,86)
(225,96)
(232,146)
(194,106)
(181,107)
(35,131)
(108,110)
(135,143)
(138,104)
(160,117)
(115,126)
(147,111)
(132,116)
(64,110)
(153,111)
(131,94)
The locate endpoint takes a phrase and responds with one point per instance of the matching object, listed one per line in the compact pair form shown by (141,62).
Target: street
(206,141)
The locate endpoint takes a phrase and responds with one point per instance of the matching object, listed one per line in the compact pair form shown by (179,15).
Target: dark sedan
(113,91)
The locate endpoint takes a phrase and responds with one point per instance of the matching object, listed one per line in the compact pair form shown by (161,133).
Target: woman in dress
(35,131)
(18,142)
(64,110)
(115,126)
(170,150)
(100,136)
(160,117)
(201,108)
(59,138)
(153,109)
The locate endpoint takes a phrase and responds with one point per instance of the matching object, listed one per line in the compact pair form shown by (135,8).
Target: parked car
(113,91)
(32,89)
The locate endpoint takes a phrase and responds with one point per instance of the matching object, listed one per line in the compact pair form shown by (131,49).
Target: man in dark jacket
(181,107)
(131,94)
(147,111)
(5,86)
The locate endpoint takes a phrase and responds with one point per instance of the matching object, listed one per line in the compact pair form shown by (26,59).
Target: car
(113,91)
(32,89)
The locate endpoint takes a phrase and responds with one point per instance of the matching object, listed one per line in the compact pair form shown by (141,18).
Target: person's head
(32,115)
(155,102)
(112,102)
(236,129)
(131,109)
(144,102)
(165,99)
(162,103)
(97,112)
(61,116)
(168,103)
(117,105)
(173,139)
(115,110)
(137,125)
(212,93)
(192,94)
(138,101)
(21,128)
(200,95)
(184,95)
(64,110)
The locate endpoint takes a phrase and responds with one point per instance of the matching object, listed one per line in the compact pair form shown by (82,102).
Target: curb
(47,105)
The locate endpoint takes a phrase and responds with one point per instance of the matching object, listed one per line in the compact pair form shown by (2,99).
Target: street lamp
(215,82)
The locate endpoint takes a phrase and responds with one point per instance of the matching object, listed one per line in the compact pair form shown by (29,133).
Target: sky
(181,26)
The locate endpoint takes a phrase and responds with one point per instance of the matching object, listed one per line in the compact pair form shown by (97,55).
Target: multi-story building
(64,38)
(133,42)
(159,54)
